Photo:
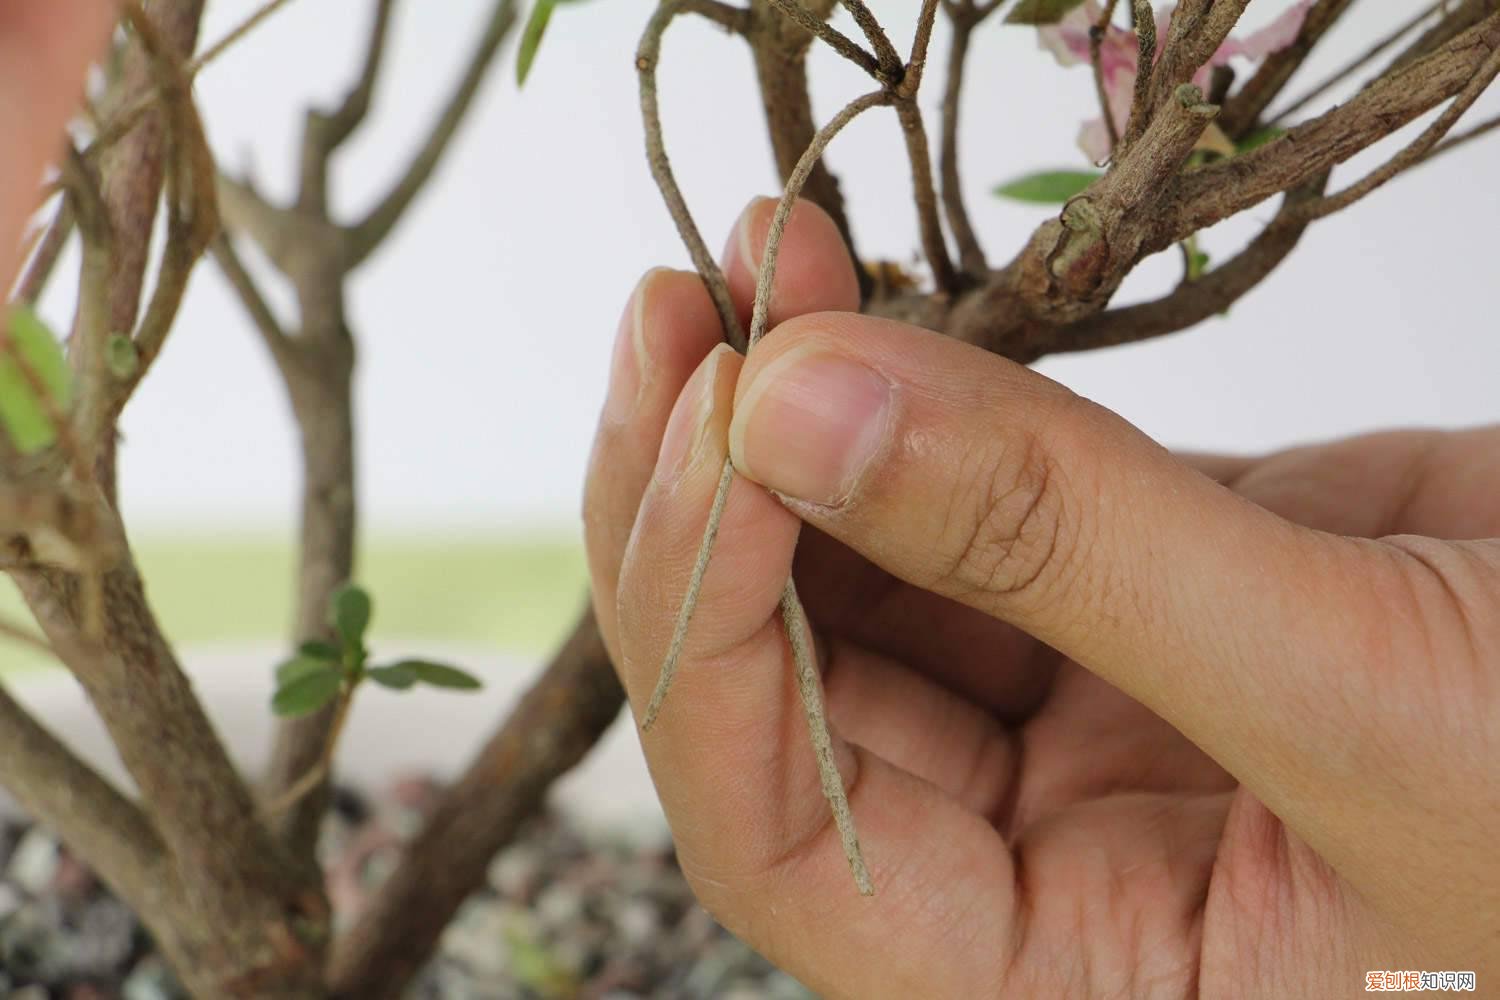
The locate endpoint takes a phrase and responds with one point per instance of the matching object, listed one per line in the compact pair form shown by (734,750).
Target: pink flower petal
(1093,139)
(1272,38)
(1068,39)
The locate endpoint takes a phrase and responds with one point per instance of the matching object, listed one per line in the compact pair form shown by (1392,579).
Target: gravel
(561,916)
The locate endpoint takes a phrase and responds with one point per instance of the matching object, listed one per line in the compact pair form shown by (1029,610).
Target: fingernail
(809,424)
(687,428)
(628,364)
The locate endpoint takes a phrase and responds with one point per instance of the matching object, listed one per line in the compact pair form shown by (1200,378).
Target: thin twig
(48,250)
(244,28)
(809,683)
(320,770)
(885,52)
(970,254)
(1144,19)
(122,123)
(1467,135)
(1353,66)
(791,607)
(831,36)
(366,236)
(1096,45)
(925,196)
(647,55)
(727,16)
(281,346)
(921,40)
(1415,152)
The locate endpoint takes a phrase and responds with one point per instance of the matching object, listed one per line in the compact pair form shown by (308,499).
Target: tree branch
(92,817)
(963,18)
(283,349)
(808,21)
(366,236)
(324,133)
(547,732)
(44,258)
(648,53)
(1353,65)
(1223,189)
(1242,110)
(1194,301)
(779,48)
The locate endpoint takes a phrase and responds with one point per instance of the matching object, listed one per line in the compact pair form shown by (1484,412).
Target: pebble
(559,916)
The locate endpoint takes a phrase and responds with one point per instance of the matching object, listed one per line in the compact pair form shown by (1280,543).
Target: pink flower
(1068,41)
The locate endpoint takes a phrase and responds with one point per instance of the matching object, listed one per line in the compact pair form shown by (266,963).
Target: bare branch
(647,55)
(48,250)
(1468,135)
(1413,153)
(835,39)
(885,53)
(1144,21)
(1195,301)
(283,350)
(1219,191)
(964,18)
(1457,17)
(735,20)
(1244,108)
(780,50)
(547,732)
(1096,46)
(916,65)
(91,816)
(1353,65)
(366,236)
(236,35)
(326,132)
(925,196)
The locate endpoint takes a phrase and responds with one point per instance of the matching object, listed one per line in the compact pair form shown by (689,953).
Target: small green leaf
(440,675)
(306,693)
(351,614)
(299,667)
(396,676)
(22,412)
(531,38)
(121,356)
(1048,187)
(319,650)
(1040,11)
(1259,138)
(1197,265)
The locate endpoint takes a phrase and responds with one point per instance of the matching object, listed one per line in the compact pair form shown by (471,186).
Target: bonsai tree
(1193,128)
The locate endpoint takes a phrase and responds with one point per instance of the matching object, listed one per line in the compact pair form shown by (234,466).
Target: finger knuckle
(1005,532)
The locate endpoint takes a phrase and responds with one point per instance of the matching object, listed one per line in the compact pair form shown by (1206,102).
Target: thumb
(973,477)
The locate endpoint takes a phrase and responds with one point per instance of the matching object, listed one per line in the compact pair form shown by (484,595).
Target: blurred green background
(518,595)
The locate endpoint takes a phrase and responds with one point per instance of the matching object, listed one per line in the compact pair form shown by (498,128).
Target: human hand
(45,50)
(1109,727)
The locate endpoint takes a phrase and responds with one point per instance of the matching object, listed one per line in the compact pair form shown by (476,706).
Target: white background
(485,326)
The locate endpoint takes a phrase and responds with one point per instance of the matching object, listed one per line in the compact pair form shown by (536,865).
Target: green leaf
(1040,11)
(1259,138)
(396,676)
(22,411)
(320,650)
(351,614)
(531,38)
(299,667)
(307,693)
(440,675)
(121,356)
(1048,187)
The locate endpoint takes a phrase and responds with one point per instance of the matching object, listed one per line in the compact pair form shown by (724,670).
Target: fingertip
(813,270)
